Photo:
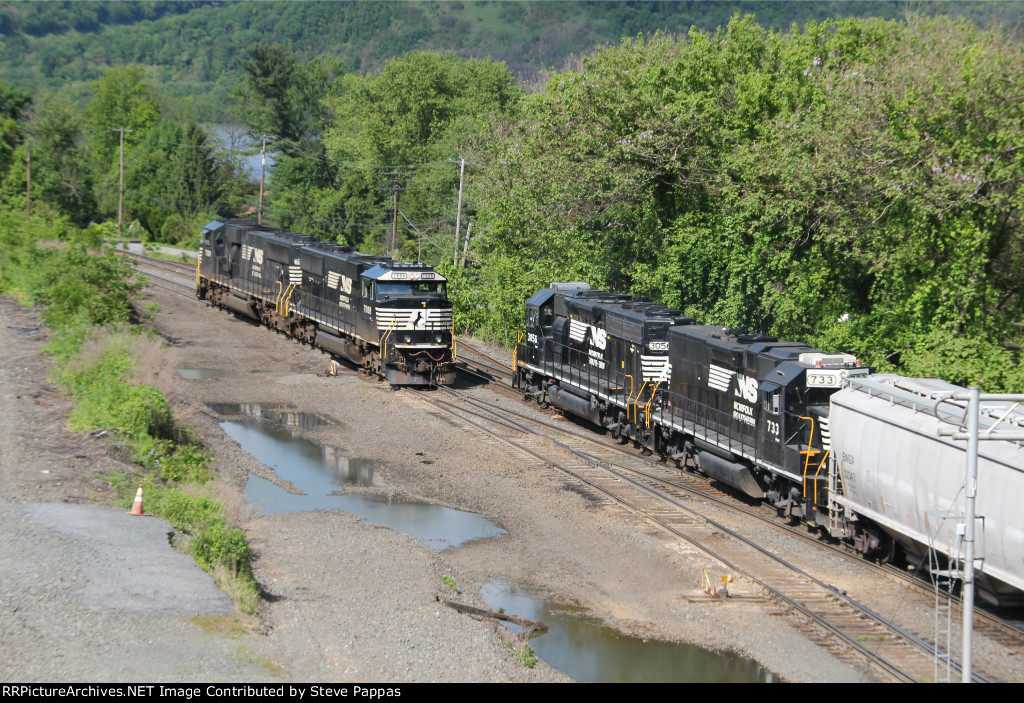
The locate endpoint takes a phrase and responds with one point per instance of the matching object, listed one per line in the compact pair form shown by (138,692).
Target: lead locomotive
(392,318)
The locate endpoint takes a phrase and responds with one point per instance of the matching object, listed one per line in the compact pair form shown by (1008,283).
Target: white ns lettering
(746,388)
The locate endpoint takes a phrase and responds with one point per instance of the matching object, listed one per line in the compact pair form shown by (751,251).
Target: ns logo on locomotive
(816,434)
(392,318)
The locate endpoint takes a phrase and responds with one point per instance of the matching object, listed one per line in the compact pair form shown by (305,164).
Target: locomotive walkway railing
(645,404)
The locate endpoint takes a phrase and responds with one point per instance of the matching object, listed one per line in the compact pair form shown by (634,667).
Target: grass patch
(86,292)
(206,531)
(524,654)
(230,624)
(176,258)
(244,653)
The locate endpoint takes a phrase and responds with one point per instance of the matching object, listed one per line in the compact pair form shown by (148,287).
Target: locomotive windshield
(390,288)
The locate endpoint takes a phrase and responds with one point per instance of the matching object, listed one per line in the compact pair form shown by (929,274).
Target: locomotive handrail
(519,340)
(384,341)
(647,408)
(630,396)
(808,453)
(636,403)
(288,298)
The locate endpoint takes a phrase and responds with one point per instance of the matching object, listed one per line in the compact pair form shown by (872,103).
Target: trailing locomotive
(763,416)
(747,409)
(393,318)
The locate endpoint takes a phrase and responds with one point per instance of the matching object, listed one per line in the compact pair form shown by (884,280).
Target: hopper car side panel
(897,472)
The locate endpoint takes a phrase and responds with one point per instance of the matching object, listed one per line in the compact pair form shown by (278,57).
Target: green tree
(856,184)
(61,175)
(122,100)
(171,176)
(276,95)
(404,126)
(12,102)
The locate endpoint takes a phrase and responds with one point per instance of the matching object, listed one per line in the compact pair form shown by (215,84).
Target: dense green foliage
(855,184)
(176,176)
(401,129)
(192,50)
(46,261)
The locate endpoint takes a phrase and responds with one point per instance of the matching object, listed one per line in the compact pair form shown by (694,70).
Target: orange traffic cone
(137,507)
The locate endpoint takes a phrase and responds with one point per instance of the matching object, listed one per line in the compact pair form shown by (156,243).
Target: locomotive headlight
(408,339)
(437,339)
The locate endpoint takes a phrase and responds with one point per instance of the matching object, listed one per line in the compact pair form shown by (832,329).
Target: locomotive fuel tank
(897,472)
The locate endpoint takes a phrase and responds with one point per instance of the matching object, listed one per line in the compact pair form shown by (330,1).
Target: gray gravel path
(86,596)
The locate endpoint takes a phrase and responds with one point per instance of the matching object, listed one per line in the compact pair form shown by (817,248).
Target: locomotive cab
(406,306)
(793,433)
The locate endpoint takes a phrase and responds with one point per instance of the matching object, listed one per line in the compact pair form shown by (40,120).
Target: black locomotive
(393,318)
(747,409)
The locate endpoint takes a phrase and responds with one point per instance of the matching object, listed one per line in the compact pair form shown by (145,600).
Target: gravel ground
(346,601)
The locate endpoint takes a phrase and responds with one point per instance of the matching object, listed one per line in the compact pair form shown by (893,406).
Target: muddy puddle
(580,647)
(199,374)
(320,475)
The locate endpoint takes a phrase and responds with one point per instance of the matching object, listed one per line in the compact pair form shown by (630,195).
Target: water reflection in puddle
(590,652)
(321,474)
(275,412)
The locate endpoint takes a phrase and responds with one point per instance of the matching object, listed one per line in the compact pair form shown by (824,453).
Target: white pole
(970,494)
(263,170)
(458,214)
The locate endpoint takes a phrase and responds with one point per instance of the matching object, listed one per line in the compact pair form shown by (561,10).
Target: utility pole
(458,212)
(120,190)
(28,178)
(395,175)
(465,249)
(263,170)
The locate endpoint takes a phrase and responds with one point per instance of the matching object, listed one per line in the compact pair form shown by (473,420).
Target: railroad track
(852,628)
(659,493)
(1007,634)
(471,360)
(178,278)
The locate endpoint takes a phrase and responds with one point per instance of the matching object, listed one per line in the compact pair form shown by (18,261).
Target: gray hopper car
(894,471)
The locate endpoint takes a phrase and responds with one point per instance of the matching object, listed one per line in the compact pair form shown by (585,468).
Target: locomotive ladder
(835,510)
